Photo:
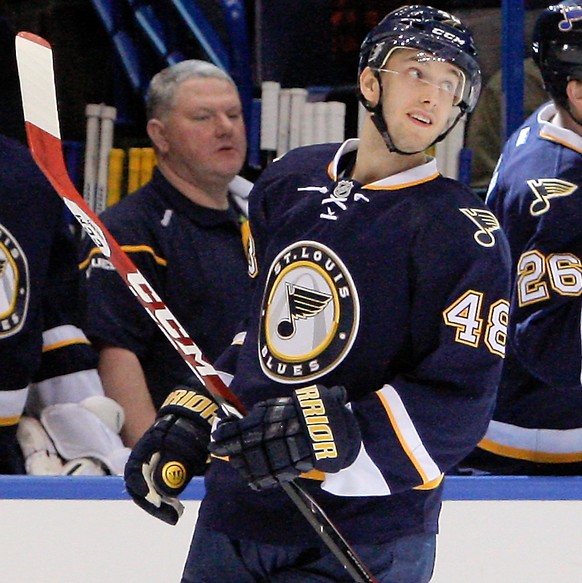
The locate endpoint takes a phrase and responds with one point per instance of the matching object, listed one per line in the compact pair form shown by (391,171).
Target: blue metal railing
(456,488)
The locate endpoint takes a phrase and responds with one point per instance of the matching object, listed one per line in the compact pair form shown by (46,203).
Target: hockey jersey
(397,290)
(535,193)
(41,342)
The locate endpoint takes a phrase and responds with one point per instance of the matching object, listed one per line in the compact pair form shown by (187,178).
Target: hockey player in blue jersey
(535,192)
(48,366)
(374,343)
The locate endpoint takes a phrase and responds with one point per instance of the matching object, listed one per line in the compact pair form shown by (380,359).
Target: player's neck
(564,120)
(373,163)
(212,195)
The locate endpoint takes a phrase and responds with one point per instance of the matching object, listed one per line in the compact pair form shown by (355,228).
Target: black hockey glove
(282,438)
(174,449)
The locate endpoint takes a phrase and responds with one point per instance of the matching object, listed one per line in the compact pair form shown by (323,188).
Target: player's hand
(170,453)
(282,438)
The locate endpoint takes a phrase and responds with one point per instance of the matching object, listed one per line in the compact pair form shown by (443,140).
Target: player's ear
(369,86)
(574,93)
(156,131)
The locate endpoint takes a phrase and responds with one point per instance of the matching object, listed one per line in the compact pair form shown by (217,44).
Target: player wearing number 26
(375,337)
(536,194)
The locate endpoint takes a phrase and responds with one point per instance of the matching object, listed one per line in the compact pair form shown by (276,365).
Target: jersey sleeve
(68,366)
(30,215)
(435,407)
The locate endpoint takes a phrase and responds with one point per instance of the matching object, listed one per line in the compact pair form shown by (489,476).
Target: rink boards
(493,529)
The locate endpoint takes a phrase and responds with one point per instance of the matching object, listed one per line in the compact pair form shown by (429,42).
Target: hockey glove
(282,438)
(75,439)
(174,449)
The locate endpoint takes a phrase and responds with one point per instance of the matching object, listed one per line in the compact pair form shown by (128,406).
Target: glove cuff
(195,404)
(321,409)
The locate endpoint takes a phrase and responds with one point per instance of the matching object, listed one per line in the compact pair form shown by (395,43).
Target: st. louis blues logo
(571,15)
(487,224)
(310,314)
(14,284)
(302,303)
(545,189)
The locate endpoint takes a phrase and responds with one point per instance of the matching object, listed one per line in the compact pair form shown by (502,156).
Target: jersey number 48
(465,314)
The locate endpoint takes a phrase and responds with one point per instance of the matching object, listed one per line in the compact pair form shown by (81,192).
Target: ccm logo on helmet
(448,36)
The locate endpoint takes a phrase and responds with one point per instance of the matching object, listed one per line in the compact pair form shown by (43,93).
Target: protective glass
(450,87)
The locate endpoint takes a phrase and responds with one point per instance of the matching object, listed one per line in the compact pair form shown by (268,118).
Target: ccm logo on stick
(171,328)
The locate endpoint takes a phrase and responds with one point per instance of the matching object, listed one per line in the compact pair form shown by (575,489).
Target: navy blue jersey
(192,256)
(397,290)
(536,195)
(40,338)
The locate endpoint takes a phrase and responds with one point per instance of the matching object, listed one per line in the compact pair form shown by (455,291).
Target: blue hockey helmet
(557,48)
(431,30)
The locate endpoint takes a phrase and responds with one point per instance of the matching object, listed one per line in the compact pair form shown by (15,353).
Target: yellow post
(148,162)
(115,176)
(133,169)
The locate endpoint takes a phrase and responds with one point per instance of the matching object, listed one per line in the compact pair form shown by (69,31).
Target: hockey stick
(35,69)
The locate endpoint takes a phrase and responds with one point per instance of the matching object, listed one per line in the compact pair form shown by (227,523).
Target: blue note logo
(310,314)
(571,15)
(486,223)
(546,189)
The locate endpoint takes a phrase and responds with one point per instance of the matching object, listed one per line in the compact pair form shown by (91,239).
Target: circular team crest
(310,314)
(14,289)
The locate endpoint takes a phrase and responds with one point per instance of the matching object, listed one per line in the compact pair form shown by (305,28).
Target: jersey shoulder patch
(486,224)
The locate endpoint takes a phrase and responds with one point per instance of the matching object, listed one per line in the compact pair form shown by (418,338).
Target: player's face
(204,134)
(419,94)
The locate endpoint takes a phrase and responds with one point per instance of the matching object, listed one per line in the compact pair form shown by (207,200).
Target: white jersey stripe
(407,434)
(68,388)
(533,444)
(62,335)
(12,404)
